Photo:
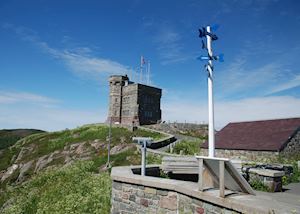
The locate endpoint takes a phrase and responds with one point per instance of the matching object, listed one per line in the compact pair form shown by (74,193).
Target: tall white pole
(211,126)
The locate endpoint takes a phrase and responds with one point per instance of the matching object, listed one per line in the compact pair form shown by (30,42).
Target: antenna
(148,77)
(141,72)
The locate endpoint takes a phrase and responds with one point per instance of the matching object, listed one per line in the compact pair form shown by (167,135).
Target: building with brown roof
(256,140)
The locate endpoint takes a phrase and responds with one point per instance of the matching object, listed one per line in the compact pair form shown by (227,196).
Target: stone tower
(116,84)
(133,103)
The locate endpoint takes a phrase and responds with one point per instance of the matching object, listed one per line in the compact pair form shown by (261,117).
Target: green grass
(72,189)
(188,147)
(7,156)
(46,143)
(154,158)
(145,133)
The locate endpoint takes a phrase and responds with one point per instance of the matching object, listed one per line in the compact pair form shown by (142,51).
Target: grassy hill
(8,137)
(61,172)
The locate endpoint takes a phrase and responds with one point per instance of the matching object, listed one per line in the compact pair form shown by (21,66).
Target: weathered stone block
(117,185)
(144,202)
(162,192)
(150,190)
(199,210)
(132,198)
(169,203)
(197,202)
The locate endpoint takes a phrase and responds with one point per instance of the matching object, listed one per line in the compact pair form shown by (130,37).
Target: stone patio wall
(131,198)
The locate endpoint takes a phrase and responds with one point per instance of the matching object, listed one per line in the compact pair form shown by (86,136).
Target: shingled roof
(265,135)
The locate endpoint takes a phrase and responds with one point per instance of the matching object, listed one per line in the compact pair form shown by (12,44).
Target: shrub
(187,147)
(259,185)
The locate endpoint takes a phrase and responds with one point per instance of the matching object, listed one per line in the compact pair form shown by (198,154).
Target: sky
(56,57)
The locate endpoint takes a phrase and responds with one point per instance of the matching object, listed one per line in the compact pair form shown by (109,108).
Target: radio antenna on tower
(143,62)
(148,73)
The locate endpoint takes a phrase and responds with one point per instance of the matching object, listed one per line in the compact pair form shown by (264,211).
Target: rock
(74,146)
(10,170)
(80,148)
(67,159)
(22,152)
(23,170)
(51,157)
(96,145)
(2,173)
(120,148)
(41,163)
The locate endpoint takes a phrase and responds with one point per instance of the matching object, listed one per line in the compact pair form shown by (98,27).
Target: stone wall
(131,198)
(293,146)
(242,154)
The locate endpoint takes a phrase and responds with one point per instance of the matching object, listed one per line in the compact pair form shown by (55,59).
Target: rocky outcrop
(23,170)
(10,170)
(76,151)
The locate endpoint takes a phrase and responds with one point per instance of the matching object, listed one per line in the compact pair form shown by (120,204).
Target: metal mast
(206,32)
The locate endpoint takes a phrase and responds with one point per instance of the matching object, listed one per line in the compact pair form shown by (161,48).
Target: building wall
(149,104)
(131,198)
(292,148)
(130,107)
(243,154)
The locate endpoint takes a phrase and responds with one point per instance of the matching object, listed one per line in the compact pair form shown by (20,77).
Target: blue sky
(56,56)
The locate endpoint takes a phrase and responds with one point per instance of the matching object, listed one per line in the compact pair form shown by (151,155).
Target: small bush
(153,159)
(260,186)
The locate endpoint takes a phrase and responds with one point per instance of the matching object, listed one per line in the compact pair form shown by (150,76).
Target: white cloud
(237,78)
(295,82)
(169,45)
(48,119)
(248,109)
(7,97)
(79,60)
(28,110)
